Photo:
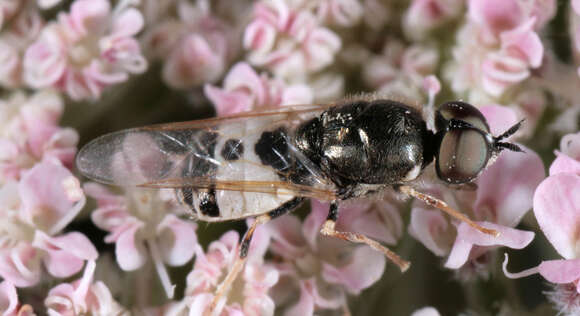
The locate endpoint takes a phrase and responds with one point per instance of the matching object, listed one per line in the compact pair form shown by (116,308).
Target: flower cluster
(196,46)
(499,46)
(86,50)
(143,224)
(290,41)
(83,296)
(400,70)
(249,295)
(15,38)
(245,90)
(40,196)
(31,133)
(317,272)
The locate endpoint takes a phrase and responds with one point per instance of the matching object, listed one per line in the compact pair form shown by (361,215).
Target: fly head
(466,145)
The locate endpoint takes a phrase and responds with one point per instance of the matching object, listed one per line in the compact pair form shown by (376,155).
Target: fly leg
(245,246)
(435,202)
(328,229)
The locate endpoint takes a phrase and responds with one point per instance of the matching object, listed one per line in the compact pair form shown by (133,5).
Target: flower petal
(20,265)
(104,303)
(430,228)
(66,298)
(65,254)
(564,164)
(305,305)
(88,15)
(314,220)
(227,103)
(8,298)
(193,62)
(177,240)
(128,23)
(200,303)
(287,238)
(505,189)
(297,94)
(556,207)
(496,15)
(366,268)
(259,279)
(44,62)
(102,194)
(46,195)
(500,118)
(379,220)
(130,251)
(260,244)
(560,271)
(326,296)
(570,145)
(468,236)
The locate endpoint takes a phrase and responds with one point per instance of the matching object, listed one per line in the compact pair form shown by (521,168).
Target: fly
(265,164)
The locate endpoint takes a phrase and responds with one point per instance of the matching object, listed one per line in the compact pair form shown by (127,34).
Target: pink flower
(400,70)
(87,50)
(521,49)
(496,16)
(35,210)
(556,205)
(14,39)
(196,48)
(143,223)
(83,297)
(530,103)
(245,90)
(317,272)
(570,145)
(557,210)
(9,305)
(504,195)
(341,12)
(424,16)
(289,42)
(30,133)
(499,45)
(249,296)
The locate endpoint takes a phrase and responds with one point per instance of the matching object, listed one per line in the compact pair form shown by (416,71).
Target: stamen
(161,270)
(518,275)
(86,281)
(432,85)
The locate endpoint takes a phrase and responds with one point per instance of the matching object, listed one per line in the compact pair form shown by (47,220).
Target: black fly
(264,164)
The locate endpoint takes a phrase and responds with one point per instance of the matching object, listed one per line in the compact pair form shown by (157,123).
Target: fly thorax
(379,142)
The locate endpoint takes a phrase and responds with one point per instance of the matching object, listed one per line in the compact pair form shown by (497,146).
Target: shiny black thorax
(361,142)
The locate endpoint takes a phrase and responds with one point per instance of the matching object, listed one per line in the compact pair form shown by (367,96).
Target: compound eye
(462,156)
(461,111)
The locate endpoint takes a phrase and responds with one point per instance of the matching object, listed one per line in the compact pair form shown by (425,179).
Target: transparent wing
(250,152)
